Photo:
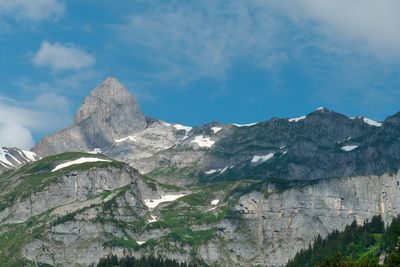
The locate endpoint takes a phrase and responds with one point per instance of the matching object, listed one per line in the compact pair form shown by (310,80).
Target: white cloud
(15,135)
(31,9)
(367,25)
(59,57)
(18,119)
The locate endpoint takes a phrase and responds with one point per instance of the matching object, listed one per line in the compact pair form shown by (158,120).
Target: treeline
(356,246)
(113,261)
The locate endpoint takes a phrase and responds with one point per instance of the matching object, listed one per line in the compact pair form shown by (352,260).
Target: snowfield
(215,202)
(182,127)
(152,203)
(263,158)
(203,141)
(297,119)
(130,138)
(245,125)
(78,161)
(212,171)
(348,148)
(372,122)
(216,129)
(153,219)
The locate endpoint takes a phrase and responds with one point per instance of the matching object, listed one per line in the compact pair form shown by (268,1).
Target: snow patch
(372,122)
(263,158)
(203,141)
(95,151)
(348,148)
(212,171)
(216,129)
(130,138)
(153,219)
(152,203)
(78,161)
(30,155)
(182,127)
(215,202)
(245,125)
(297,119)
(224,170)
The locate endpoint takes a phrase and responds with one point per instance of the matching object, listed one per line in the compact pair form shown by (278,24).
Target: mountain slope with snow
(11,158)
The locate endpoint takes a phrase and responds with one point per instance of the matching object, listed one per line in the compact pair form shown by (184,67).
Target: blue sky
(194,62)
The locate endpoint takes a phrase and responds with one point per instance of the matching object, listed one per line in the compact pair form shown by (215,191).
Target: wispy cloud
(18,119)
(34,10)
(367,26)
(202,39)
(60,57)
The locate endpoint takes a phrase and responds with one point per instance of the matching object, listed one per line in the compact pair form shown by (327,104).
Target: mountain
(118,183)
(11,158)
(322,144)
(108,113)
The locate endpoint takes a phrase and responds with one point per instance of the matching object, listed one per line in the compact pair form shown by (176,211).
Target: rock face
(109,113)
(276,227)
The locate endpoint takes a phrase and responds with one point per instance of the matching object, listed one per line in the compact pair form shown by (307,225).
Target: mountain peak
(110,90)
(112,110)
(322,110)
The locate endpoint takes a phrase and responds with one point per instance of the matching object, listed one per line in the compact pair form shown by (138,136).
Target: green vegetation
(152,183)
(14,236)
(356,246)
(192,238)
(113,261)
(121,243)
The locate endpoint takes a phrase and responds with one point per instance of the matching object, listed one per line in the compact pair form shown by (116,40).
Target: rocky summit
(108,113)
(118,183)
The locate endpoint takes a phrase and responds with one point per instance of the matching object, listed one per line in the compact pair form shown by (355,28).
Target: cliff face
(276,226)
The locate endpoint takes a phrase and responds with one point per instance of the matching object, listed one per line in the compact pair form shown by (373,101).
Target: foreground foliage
(356,246)
(113,261)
